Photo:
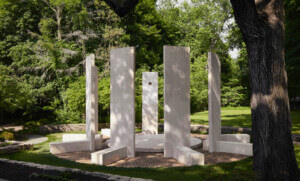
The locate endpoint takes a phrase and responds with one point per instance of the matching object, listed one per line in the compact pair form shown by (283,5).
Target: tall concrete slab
(176,98)
(91,100)
(122,99)
(214,101)
(150,103)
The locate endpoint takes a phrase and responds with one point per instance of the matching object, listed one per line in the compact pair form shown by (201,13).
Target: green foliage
(44,43)
(31,127)
(201,24)
(14,92)
(74,101)
(199,84)
(7,135)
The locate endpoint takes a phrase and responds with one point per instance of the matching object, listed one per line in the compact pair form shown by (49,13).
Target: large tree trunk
(262,26)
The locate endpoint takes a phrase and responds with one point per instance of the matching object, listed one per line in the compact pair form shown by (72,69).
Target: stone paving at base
(153,160)
(155,143)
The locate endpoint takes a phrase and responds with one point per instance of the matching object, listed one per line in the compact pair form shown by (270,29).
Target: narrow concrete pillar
(91,100)
(122,99)
(214,101)
(150,103)
(176,98)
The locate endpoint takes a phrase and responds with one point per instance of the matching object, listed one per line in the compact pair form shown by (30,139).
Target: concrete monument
(91,140)
(176,98)
(122,99)
(91,106)
(229,143)
(150,103)
(122,108)
(214,100)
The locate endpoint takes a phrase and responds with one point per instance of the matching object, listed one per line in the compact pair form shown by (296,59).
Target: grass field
(241,170)
(240,117)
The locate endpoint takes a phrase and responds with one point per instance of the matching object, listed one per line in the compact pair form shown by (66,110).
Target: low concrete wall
(109,155)
(15,148)
(59,128)
(224,129)
(235,147)
(25,171)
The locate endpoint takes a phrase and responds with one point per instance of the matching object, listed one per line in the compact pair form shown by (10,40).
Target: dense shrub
(32,127)
(7,135)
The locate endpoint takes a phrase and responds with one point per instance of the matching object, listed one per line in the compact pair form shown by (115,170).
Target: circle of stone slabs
(155,143)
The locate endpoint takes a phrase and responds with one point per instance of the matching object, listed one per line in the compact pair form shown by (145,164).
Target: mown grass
(241,170)
(240,117)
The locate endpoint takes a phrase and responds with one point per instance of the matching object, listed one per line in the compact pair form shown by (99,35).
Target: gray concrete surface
(150,103)
(176,98)
(122,99)
(214,100)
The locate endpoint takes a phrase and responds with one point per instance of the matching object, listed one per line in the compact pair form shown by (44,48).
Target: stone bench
(232,143)
(81,137)
(72,146)
(235,147)
(109,155)
(188,156)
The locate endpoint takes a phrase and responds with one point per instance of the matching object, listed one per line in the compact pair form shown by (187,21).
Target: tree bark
(58,19)
(262,26)
(58,14)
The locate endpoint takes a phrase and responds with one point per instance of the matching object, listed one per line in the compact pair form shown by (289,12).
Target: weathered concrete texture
(72,146)
(122,99)
(31,171)
(235,147)
(232,143)
(60,128)
(176,98)
(110,155)
(91,100)
(150,103)
(214,100)
(188,156)
(155,143)
(81,137)
(241,138)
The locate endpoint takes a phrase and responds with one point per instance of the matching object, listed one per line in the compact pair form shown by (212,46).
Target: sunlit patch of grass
(240,117)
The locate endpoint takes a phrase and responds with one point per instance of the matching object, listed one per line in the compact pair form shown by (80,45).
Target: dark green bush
(6,135)
(31,127)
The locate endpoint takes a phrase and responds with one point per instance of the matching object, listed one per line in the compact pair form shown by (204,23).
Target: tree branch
(247,17)
(45,1)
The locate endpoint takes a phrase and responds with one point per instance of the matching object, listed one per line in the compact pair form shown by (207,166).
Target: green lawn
(240,117)
(241,170)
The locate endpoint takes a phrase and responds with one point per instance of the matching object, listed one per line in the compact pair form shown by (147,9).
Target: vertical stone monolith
(176,98)
(122,99)
(150,103)
(214,101)
(91,100)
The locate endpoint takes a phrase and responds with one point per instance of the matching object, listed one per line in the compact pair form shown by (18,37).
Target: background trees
(43,45)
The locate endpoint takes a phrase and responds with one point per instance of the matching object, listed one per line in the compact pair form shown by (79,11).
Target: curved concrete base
(155,143)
